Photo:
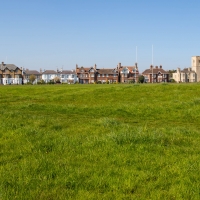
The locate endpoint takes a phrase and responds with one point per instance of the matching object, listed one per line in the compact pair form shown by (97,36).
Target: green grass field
(100,142)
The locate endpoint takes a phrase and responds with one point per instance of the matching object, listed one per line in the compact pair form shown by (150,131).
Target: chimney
(160,66)
(151,66)
(119,65)
(95,66)
(76,66)
(2,63)
(40,70)
(156,67)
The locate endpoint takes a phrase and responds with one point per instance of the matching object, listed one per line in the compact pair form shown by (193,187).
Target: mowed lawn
(100,142)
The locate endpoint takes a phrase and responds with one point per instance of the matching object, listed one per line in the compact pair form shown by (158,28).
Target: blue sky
(51,34)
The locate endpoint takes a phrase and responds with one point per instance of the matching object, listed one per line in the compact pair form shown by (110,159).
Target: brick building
(128,73)
(158,74)
(10,74)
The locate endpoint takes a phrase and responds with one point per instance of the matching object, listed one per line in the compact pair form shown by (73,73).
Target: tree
(171,73)
(141,79)
(57,79)
(70,81)
(32,78)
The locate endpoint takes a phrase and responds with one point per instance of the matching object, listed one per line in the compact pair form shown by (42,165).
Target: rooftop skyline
(51,34)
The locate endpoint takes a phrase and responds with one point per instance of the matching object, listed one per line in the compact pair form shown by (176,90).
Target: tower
(195,63)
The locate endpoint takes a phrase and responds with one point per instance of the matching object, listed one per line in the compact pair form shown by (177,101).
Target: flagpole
(152,63)
(136,64)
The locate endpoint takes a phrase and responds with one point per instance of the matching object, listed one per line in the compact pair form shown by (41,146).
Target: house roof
(67,72)
(155,71)
(107,71)
(29,72)
(86,69)
(49,72)
(130,68)
(9,66)
(185,70)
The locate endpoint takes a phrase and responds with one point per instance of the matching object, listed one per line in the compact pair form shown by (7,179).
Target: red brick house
(128,73)
(104,75)
(86,75)
(159,75)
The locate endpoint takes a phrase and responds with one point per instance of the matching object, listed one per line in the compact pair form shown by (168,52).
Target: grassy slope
(100,142)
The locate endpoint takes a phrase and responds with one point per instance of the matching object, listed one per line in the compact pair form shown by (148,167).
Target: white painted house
(65,76)
(49,75)
(68,76)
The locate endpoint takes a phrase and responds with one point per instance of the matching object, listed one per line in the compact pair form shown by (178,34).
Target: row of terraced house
(11,74)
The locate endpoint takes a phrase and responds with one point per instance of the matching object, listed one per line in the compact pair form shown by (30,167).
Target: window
(102,75)
(98,75)
(92,75)
(72,76)
(106,75)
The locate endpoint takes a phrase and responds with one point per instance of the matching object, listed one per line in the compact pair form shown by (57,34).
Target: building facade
(10,74)
(128,73)
(123,74)
(195,63)
(65,76)
(190,74)
(27,73)
(155,75)
(107,75)
(185,75)
(49,76)
(86,75)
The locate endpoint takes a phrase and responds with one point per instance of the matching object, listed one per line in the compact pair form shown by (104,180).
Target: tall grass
(100,142)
